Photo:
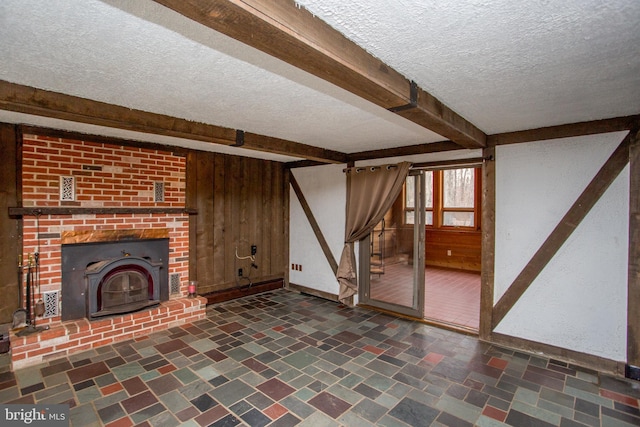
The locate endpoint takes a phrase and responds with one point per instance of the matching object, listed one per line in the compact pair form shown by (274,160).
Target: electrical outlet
(239,272)
(254,249)
(448,252)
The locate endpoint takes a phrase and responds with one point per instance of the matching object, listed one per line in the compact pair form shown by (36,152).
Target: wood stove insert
(104,278)
(122,285)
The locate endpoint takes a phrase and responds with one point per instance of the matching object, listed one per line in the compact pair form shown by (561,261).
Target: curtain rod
(443,164)
(359,169)
(451,164)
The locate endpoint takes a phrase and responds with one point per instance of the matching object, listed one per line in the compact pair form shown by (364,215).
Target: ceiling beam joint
(239,138)
(413,99)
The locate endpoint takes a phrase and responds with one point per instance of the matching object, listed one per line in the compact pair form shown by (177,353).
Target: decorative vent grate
(158,191)
(67,188)
(174,285)
(50,300)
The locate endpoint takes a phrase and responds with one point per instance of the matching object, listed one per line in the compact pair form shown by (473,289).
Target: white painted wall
(325,190)
(578,302)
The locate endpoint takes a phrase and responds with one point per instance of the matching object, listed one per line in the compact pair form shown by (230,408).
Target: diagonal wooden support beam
(567,225)
(29,100)
(292,34)
(314,224)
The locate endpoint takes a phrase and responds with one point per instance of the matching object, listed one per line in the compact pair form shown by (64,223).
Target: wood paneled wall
(240,202)
(465,247)
(10,241)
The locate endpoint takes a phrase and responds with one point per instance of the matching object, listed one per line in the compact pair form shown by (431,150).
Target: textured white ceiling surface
(503,65)
(98,51)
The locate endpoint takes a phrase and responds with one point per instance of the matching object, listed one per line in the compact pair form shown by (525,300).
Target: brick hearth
(103,177)
(70,337)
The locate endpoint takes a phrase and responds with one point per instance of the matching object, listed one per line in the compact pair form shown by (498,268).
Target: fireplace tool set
(24,320)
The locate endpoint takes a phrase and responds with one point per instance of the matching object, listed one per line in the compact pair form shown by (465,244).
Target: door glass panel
(389,280)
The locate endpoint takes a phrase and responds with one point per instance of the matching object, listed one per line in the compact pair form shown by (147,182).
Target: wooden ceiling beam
(592,127)
(29,100)
(407,150)
(292,34)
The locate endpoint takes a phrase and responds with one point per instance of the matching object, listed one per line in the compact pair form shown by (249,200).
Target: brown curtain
(371,192)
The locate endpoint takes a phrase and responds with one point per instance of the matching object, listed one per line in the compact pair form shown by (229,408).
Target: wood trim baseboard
(316,293)
(242,291)
(585,360)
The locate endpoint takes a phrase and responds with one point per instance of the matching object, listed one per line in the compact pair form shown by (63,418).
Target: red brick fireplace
(77,193)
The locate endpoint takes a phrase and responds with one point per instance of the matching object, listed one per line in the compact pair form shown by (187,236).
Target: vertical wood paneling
(231,215)
(191,202)
(265,253)
(240,203)
(219,235)
(10,243)
(255,212)
(204,237)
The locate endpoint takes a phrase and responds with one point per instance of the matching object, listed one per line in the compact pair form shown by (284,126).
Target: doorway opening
(428,247)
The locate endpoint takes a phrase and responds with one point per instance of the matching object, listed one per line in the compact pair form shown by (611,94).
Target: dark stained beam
(541,134)
(488,222)
(574,216)
(564,131)
(633,293)
(294,35)
(10,228)
(408,150)
(302,164)
(29,100)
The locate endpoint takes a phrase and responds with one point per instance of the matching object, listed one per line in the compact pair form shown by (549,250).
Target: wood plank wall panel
(204,236)
(240,202)
(279,254)
(218,200)
(465,247)
(191,202)
(10,241)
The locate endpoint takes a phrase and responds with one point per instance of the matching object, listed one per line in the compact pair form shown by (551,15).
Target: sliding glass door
(392,256)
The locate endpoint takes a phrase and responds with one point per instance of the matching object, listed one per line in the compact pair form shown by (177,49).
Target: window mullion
(437,199)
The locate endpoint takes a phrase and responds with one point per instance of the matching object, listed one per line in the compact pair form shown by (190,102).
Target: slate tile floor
(285,359)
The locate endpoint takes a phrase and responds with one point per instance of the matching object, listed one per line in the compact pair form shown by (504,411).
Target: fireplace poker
(31,322)
(38,308)
(20,315)
(29,291)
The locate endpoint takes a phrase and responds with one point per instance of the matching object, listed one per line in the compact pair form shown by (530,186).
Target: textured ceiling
(502,65)
(505,65)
